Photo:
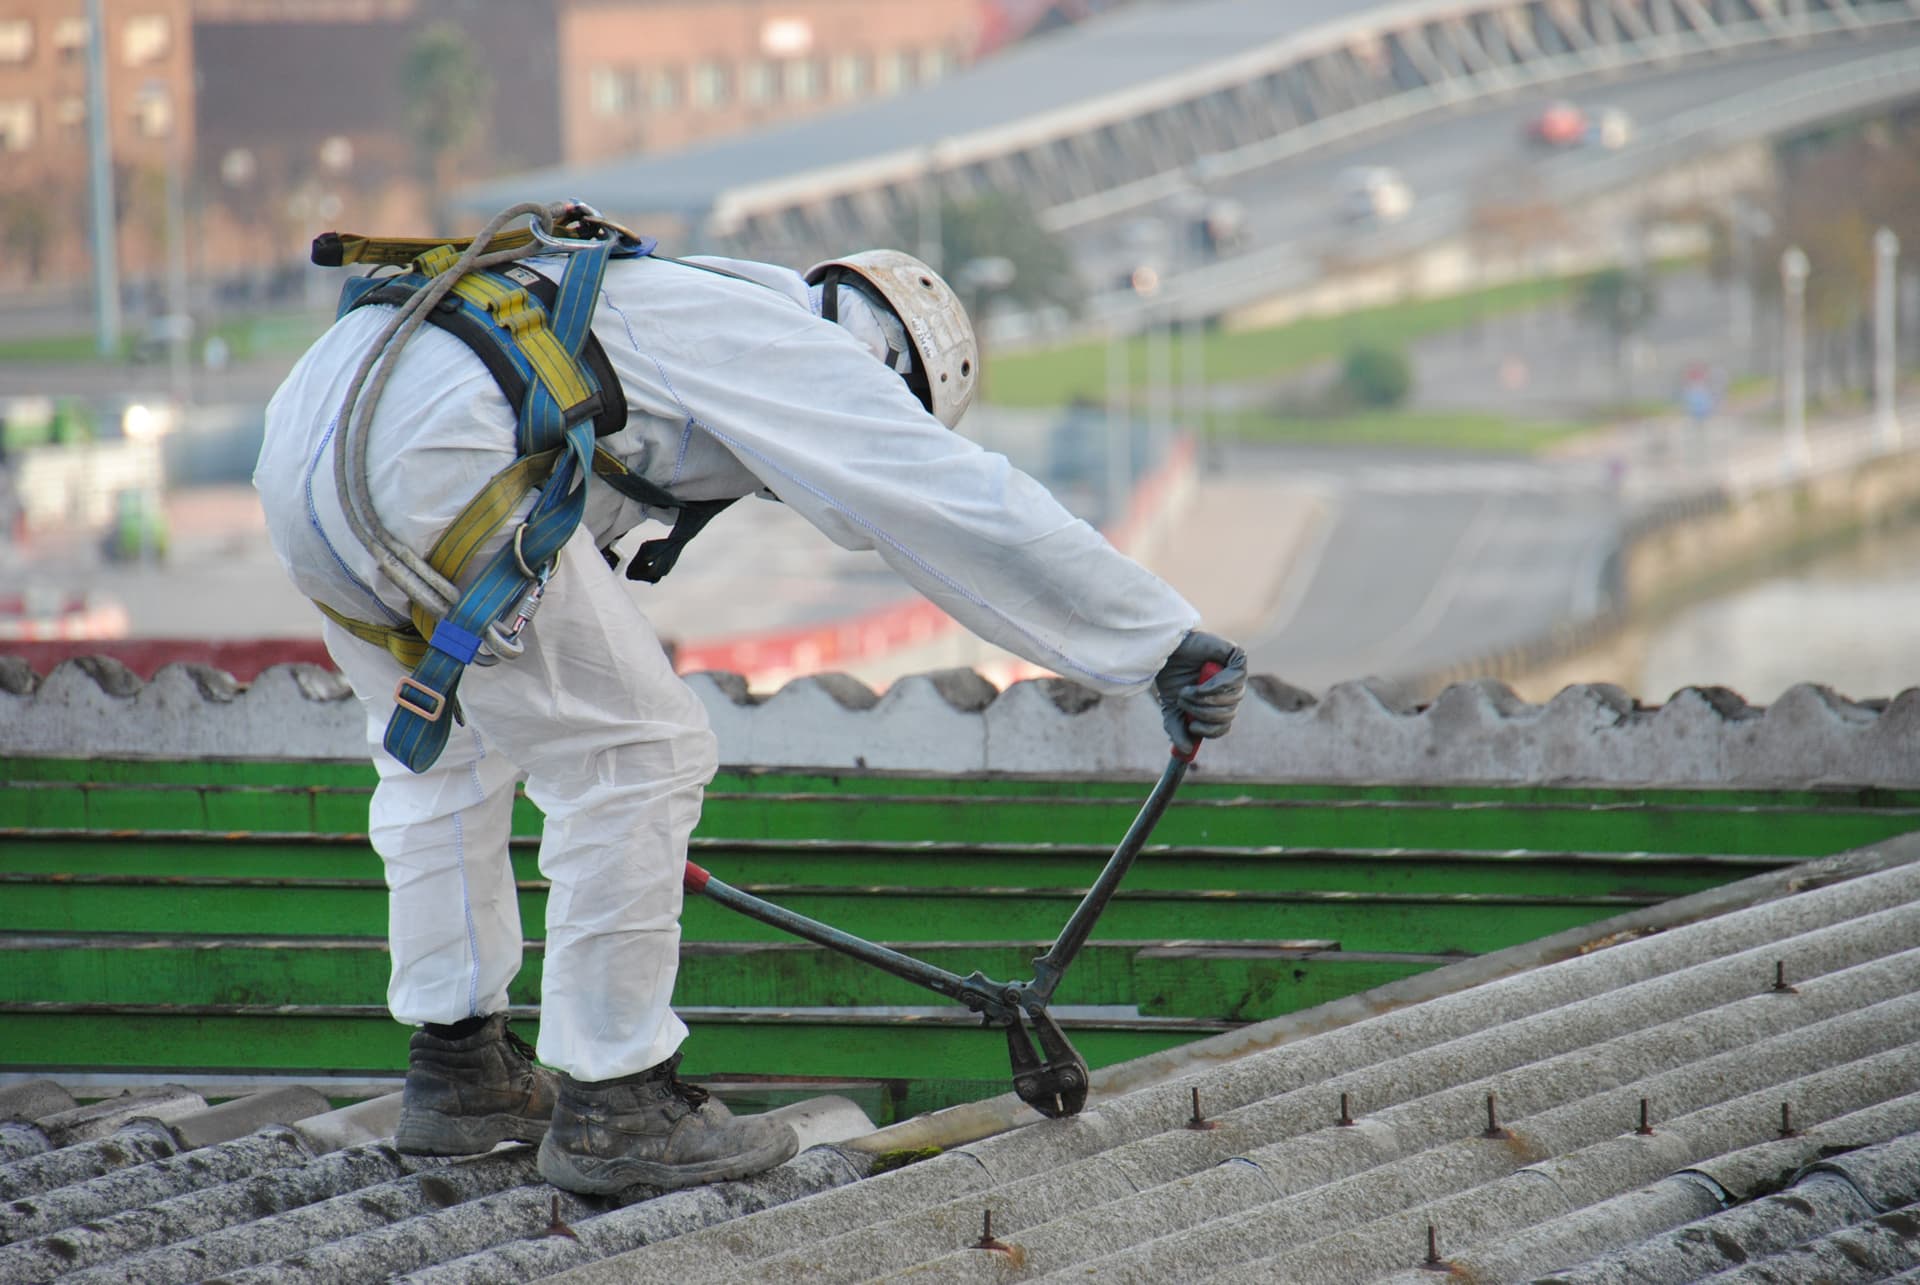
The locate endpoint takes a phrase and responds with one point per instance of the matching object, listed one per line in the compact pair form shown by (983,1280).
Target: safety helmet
(946,354)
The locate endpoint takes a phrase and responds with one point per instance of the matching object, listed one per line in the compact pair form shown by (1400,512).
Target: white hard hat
(946,355)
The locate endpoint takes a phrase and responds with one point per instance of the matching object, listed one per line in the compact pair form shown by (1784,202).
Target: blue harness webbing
(418,730)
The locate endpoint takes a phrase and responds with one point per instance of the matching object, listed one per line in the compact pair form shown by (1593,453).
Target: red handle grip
(1207,671)
(695,878)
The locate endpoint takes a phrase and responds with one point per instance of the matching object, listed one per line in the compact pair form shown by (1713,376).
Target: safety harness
(535,337)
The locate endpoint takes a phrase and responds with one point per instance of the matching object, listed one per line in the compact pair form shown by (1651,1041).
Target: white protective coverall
(733,388)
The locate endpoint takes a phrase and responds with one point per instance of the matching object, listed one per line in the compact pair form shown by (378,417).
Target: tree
(1620,302)
(449,96)
(1375,377)
(28,229)
(998,226)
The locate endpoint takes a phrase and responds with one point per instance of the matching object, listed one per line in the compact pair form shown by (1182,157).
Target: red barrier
(244,658)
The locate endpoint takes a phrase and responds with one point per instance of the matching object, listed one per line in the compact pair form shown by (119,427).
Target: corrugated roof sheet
(1782,1142)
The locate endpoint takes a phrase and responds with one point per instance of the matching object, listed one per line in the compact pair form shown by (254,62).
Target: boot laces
(691,1094)
(518,1045)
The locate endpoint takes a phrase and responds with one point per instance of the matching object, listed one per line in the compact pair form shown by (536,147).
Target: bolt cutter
(1052,1080)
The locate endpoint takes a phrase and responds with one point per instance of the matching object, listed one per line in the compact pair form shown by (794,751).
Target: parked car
(1373,194)
(1558,124)
(1610,128)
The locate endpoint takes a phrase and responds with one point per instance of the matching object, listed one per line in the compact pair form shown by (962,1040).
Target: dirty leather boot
(652,1128)
(465,1095)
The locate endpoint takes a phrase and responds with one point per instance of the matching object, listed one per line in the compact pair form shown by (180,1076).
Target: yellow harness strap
(452,552)
(399,251)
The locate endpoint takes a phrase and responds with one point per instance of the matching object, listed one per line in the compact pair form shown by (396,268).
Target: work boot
(652,1128)
(468,1094)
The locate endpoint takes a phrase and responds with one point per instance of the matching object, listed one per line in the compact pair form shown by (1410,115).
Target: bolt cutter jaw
(1055,1082)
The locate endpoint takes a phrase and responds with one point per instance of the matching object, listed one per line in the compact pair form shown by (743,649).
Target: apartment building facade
(287,117)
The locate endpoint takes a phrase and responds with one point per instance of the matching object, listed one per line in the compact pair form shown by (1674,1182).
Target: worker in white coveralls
(834,393)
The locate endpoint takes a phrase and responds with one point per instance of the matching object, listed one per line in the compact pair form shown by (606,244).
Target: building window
(709,85)
(613,91)
(16,40)
(758,83)
(70,113)
(802,79)
(70,39)
(850,75)
(894,72)
(153,115)
(663,89)
(935,63)
(145,39)
(16,125)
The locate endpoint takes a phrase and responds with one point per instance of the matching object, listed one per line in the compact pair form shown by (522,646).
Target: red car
(1559,124)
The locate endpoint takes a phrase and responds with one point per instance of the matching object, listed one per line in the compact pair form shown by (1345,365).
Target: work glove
(1192,709)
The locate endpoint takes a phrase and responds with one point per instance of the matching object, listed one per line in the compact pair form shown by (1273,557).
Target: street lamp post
(1119,451)
(106,255)
(1886,254)
(1793,374)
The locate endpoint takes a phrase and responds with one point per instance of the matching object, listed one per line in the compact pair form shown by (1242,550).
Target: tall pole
(1160,381)
(179,363)
(1793,361)
(1119,431)
(1194,380)
(1741,318)
(1886,282)
(106,258)
(931,233)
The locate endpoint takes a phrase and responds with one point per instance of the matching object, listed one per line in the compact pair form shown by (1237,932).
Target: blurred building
(291,116)
(43,130)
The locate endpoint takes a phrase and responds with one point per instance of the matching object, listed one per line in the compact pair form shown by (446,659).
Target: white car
(1610,128)
(1374,194)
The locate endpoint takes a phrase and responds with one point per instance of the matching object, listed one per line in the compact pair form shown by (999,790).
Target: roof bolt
(1435,1263)
(1780,986)
(1493,1129)
(1786,1121)
(1346,1120)
(1200,1122)
(1646,1127)
(986,1240)
(557,1227)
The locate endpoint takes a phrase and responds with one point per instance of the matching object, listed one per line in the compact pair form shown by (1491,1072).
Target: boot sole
(431,1133)
(602,1176)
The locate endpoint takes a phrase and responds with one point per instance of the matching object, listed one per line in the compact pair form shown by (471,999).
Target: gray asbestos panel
(136,1232)
(283,1236)
(1473,732)
(531,1248)
(1615,1224)
(151,1183)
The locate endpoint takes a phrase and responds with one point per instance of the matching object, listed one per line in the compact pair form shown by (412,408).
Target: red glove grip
(1207,671)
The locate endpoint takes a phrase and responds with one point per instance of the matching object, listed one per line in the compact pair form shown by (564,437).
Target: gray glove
(1192,709)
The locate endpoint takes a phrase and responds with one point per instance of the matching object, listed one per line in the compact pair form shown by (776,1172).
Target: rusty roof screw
(1493,1129)
(1200,1122)
(1646,1127)
(1346,1120)
(558,1227)
(1786,1121)
(1780,986)
(986,1240)
(1433,1262)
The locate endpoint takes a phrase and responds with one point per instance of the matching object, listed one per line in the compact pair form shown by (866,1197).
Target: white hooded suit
(734,387)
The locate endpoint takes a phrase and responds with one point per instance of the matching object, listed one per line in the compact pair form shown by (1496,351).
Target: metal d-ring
(566,244)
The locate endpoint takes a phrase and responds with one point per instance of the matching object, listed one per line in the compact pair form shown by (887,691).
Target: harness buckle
(409,682)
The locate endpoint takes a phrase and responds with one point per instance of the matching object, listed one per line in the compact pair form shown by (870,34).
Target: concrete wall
(955,722)
(1688,549)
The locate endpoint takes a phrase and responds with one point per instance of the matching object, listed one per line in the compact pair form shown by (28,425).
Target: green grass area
(264,335)
(1055,376)
(1452,430)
